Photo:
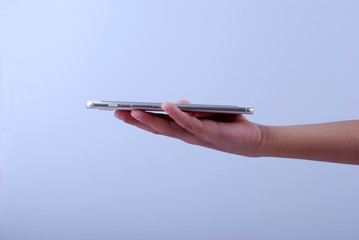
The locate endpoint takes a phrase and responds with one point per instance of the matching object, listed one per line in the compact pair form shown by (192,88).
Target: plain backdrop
(72,173)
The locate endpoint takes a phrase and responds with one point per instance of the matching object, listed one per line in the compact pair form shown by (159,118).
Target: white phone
(148,106)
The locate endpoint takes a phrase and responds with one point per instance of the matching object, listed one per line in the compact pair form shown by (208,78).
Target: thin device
(149,106)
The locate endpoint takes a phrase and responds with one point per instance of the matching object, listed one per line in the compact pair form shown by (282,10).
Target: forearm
(330,142)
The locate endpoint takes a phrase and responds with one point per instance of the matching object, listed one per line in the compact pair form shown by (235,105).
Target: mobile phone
(150,106)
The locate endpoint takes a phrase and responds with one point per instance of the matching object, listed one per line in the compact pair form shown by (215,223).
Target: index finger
(195,114)
(191,124)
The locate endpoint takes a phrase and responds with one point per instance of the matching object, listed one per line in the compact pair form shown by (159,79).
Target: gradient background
(72,173)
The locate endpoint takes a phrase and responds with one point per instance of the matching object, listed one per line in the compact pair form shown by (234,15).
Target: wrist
(262,150)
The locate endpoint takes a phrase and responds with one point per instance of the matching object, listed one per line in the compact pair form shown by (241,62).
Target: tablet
(154,107)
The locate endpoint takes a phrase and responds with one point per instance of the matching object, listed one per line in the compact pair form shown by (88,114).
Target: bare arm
(331,142)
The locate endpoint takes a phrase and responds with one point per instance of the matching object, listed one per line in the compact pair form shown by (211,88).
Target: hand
(224,132)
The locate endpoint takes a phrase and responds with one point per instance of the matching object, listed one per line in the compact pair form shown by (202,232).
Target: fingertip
(119,115)
(168,107)
(137,114)
(182,101)
(164,104)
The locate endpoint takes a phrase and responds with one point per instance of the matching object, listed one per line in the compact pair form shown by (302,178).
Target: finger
(127,118)
(195,114)
(187,102)
(183,102)
(164,126)
(191,124)
(202,114)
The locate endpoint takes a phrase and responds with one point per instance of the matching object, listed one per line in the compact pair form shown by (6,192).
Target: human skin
(331,142)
